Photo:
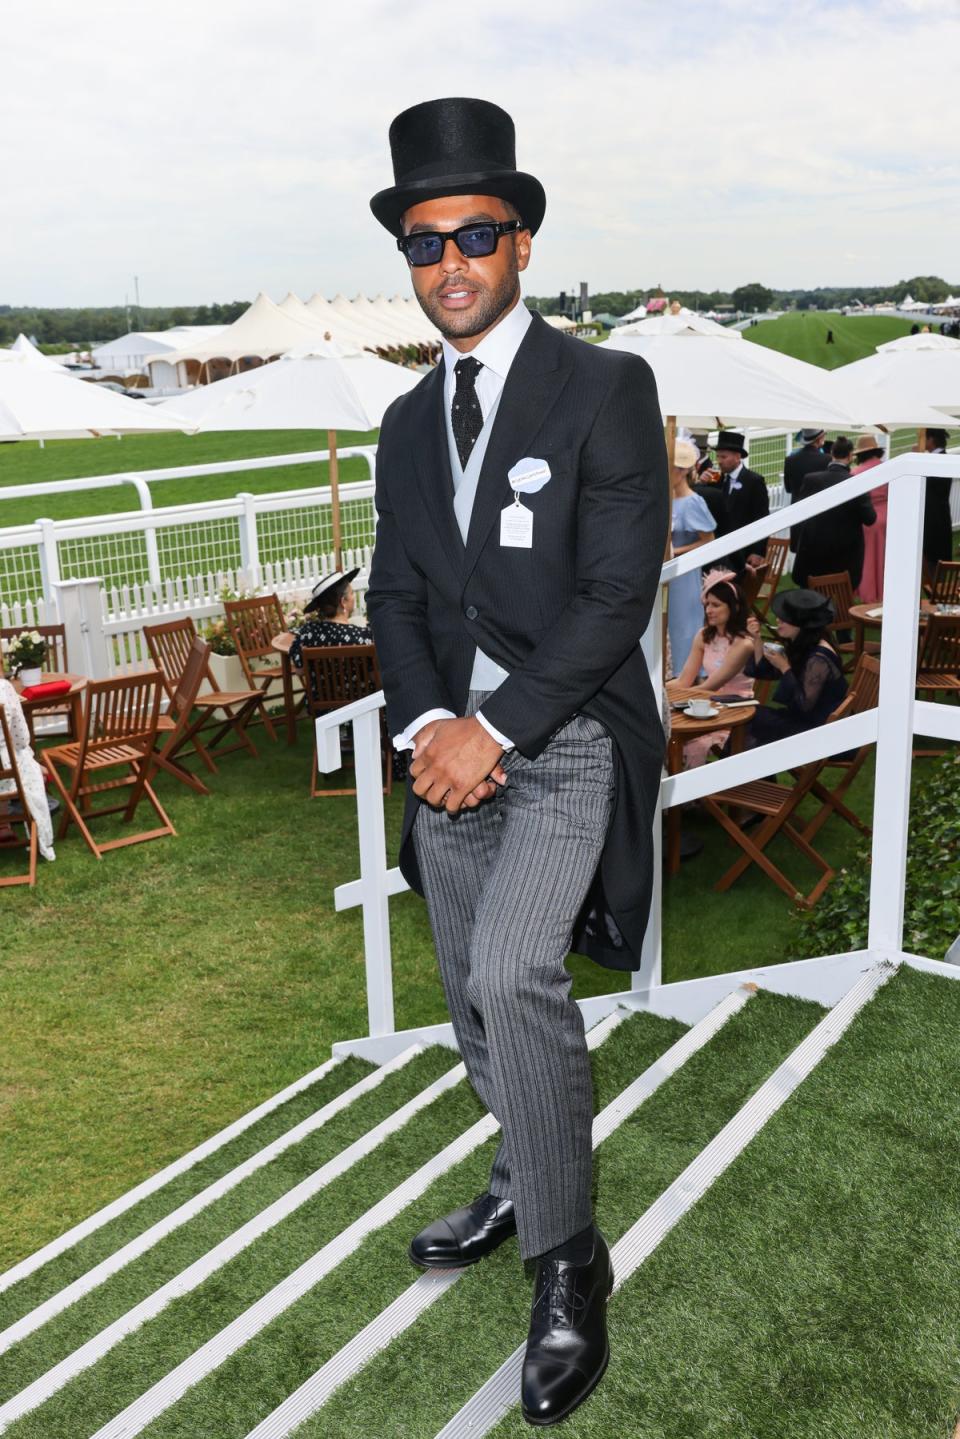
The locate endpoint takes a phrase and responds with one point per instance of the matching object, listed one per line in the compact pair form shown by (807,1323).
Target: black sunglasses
(426,247)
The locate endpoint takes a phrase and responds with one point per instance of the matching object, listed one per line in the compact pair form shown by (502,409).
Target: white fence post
(898,667)
(49,558)
(81,612)
(249,540)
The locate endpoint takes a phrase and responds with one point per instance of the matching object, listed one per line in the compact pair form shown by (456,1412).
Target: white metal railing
(149,546)
(249,533)
(893,725)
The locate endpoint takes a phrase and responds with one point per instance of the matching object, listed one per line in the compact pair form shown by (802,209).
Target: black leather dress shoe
(466,1235)
(567,1348)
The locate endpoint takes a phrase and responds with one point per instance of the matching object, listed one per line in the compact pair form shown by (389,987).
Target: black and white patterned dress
(314,633)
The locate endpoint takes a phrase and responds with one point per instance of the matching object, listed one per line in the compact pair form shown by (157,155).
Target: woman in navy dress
(811,682)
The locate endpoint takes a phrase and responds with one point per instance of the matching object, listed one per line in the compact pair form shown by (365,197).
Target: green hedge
(932,914)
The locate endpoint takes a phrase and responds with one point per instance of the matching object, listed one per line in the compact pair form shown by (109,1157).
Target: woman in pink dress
(720,651)
(867,454)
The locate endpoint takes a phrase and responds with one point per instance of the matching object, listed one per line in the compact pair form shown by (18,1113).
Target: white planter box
(228,672)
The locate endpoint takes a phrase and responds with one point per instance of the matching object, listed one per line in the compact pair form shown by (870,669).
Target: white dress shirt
(496,353)
(733,479)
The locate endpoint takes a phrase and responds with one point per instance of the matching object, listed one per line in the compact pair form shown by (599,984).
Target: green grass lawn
(147,1000)
(25,463)
(803,334)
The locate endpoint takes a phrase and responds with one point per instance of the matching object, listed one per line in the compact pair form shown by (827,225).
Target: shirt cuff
(405,740)
(501,740)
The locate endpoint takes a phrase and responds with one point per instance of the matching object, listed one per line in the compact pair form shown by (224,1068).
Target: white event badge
(516,522)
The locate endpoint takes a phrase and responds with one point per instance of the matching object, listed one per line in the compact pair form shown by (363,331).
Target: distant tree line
(68,329)
(756,296)
(79,329)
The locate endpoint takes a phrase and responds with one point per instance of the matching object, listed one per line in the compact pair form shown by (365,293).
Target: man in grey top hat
(523,502)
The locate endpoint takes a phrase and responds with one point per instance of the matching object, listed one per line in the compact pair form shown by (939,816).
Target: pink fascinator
(716,577)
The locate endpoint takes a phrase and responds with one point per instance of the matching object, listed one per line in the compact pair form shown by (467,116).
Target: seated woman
(330,607)
(31,775)
(718,655)
(811,680)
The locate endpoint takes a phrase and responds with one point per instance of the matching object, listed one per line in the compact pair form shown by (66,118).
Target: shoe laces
(558,1295)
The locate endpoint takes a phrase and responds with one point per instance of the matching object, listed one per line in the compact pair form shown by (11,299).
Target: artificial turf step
(412,1388)
(813,1291)
(34,1288)
(64,1333)
(259,1376)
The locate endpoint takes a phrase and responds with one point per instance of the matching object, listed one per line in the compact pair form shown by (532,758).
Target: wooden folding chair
(945,589)
(938,660)
(170,645)
(119,732)
(336,675)
(839,589)
(252,624)
(778,804)
(863,695)
(14,809)
(777,552)
(179,726)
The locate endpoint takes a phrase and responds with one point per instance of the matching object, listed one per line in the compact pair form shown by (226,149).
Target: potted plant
(24,656)
(225,663)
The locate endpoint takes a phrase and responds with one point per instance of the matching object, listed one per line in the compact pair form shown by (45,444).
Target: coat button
(472,612)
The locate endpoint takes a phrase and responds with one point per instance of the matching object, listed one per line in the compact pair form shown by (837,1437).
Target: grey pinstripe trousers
(504,884)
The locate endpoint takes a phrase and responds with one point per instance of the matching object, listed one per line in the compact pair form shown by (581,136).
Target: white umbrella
(924,369)
(41,404)
(320,386)
(705,380)
(869,405)
(683,324)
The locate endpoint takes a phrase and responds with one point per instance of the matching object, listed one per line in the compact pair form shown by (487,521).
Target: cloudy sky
(220,147)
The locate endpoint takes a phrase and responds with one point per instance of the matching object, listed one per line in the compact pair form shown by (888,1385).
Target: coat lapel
(431,459)
(533,386)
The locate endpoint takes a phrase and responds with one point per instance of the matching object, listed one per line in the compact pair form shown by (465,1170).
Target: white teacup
(700,709)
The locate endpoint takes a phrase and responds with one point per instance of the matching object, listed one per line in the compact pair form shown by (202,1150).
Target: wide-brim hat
(324,586)
(685,455)
(868,445)
(808,436)
(807,609)
(730,440)
(456,146)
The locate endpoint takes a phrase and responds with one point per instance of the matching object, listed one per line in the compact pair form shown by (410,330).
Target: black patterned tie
(466,415)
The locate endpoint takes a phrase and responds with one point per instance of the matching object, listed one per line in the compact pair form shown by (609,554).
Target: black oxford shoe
(567,1348)
(466,1235)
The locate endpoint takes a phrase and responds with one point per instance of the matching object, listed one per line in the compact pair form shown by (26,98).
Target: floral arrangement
(218,637)
(26,651)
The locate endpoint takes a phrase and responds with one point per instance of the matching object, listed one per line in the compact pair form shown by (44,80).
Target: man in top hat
(831,543)
(523,506)
(805,461)
(745,498)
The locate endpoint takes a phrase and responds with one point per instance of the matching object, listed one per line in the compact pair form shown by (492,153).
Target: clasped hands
(456,764)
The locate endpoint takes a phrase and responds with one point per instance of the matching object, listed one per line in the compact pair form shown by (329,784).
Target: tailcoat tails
(562,616)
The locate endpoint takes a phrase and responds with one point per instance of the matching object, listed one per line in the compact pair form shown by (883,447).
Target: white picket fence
(151,564)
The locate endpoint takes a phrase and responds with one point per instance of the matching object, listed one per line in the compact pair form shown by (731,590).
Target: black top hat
(456,147)
(324,586)
(807,609)
(730,440)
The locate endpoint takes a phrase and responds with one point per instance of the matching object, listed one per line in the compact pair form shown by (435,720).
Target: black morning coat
(740,507)
(565,616)
(832,542)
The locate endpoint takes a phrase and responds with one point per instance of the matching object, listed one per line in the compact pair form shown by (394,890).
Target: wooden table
(683,728)
(72,700)
(281,643)
(865,616)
